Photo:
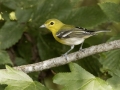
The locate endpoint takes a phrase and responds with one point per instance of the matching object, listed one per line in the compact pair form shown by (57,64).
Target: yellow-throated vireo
(69,34)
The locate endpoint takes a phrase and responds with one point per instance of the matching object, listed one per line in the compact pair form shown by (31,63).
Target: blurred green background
(23,42)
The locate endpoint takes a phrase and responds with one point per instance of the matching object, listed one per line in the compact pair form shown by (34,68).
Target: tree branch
(54,62)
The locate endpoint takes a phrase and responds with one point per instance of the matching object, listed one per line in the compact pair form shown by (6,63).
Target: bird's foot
(65,55)
(82,50)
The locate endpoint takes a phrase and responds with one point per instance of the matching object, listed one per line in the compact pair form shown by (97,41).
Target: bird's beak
(42,26)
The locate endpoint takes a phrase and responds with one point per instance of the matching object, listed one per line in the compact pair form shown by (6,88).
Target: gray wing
(75,32)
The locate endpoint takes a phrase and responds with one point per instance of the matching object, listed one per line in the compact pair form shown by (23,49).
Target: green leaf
(51,9)
(10,33)
(10,76)
(111,59)
(115,80)
(112,10)
(112,1)
(83,16)
(14,4)
(79,79)
(18,80)
(20,61)
(23,15)
(39,86)
(28,86)
(10,4)
(87,16)
(4,58)
(91,64)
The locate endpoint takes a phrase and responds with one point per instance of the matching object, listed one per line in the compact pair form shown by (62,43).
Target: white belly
(74,41)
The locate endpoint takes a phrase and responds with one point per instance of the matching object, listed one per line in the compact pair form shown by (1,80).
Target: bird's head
(52,25)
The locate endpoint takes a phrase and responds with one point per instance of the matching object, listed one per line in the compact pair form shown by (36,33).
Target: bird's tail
(96,32)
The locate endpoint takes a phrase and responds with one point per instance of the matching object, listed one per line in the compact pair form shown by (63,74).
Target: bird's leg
(72,47)
(80,49)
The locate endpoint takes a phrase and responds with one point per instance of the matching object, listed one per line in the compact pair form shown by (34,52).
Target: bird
(69,34)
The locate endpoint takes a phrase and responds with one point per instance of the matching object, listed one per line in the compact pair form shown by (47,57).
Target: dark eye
(51,23)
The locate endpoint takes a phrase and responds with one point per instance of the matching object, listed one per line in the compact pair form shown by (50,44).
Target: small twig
(54,62)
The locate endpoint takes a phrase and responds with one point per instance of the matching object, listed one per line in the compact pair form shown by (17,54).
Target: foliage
(80,79)
(17,80)
(23,42)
